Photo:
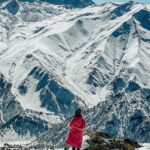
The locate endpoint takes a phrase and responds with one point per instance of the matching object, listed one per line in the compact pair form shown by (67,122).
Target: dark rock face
(146,93)
(118,85)
(125,112)
(54,97)
(121,117)
(23,124)
(70,3)
(4,86)
(12,7)
(104,141)
(112,125)
(9,106)
(103,71)
(143,17)
(133,143)
(110,117)
(122,9)
(54,136)
(93,80)
(22,88)
(132,86)
(78,3)
(14,118)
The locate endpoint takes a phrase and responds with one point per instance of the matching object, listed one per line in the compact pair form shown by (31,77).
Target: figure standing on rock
(76,127)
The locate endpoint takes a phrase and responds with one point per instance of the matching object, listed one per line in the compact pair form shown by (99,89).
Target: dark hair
(78,112)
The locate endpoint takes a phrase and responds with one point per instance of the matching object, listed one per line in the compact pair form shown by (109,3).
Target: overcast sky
(102,1)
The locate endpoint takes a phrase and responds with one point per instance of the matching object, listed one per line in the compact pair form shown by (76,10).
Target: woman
(76,127)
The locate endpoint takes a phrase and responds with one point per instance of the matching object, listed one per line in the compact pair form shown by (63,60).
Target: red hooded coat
(75,136)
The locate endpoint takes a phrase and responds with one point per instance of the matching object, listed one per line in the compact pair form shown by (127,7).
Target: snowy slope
(58,59)
(146,146)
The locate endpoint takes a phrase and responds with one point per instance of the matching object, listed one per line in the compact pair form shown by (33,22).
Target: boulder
(104,141)
(133,143)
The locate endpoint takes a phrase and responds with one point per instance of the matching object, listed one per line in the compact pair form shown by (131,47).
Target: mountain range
(56,56)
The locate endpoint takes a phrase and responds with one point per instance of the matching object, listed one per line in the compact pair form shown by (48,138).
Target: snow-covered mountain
(54,59)
(13,6)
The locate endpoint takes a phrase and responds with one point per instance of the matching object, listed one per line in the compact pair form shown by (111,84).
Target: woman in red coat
(76,127)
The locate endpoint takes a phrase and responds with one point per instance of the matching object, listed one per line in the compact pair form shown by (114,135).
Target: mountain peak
(70,3)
